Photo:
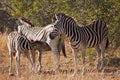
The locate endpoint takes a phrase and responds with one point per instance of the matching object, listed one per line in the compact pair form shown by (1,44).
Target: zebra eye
(55,30)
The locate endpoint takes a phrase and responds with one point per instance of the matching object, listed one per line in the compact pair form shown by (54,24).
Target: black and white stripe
(18,44)
(92,35)
(55,42)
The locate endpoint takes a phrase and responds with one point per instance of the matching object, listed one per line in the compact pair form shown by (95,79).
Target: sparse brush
(111,71)
(3,40)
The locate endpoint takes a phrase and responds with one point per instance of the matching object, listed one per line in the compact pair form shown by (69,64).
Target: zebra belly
(43,47)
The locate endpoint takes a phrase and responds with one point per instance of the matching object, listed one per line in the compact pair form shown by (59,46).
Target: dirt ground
(47,73)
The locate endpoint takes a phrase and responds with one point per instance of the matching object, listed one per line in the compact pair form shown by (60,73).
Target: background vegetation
(41,12)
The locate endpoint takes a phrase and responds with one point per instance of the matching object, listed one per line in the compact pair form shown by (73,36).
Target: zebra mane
(26,21)
(61,16)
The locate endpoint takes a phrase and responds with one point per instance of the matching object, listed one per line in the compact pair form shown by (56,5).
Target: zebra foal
(18,44)
(92,35)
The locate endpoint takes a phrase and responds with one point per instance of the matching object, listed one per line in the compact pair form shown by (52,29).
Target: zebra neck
(27,33)
(70,31)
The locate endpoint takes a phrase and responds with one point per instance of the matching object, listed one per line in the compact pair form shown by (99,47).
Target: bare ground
(47,73)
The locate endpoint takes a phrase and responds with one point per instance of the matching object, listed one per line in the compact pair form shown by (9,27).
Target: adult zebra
(43,35)
(18,44)
(92,35)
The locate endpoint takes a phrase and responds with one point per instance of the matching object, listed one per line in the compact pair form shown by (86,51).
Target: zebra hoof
(73,75)
(83,73)
(39,68)
(11,74)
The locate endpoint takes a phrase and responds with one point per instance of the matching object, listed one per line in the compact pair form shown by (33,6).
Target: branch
(8,6)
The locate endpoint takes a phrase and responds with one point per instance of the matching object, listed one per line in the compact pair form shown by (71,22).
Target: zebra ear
(17,21)
(56,17)
(59,16)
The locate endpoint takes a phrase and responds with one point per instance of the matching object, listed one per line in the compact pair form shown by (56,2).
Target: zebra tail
(107,44)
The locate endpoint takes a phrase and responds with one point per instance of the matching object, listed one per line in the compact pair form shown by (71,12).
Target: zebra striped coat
(43,35)
(92,35)
(18,44)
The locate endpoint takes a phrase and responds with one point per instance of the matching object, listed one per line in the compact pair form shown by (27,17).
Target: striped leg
(75,53)
(103,46)
(102,58)
(33,58)
(83,61)
(39,59)
(17,57)
(98,56)
(57,55)
(10,69)
(28,57)
(55,49)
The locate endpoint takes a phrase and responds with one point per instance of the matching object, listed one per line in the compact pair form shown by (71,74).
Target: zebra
(18,44)
(80,38)
(43,35)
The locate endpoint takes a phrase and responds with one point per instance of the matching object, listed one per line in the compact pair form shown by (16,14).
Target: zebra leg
(83,61)
(57,55)
(54,45)
(75,53)
(39,59)
(10,69)
(56,52)
(28,57)
(103,46)
(33,58)
(17,58)
(102,58)
(98,56)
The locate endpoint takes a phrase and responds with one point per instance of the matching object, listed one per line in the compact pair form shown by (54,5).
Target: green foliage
(41,12)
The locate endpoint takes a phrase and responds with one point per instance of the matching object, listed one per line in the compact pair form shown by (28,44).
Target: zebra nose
(52,35)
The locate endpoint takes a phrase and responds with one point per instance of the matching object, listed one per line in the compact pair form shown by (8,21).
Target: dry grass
(3,40)
(48,62)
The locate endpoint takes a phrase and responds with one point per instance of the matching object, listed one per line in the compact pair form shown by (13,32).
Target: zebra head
(63,23)
(58,23)
(18,22)
(23,25)
(53,33)
(26,22)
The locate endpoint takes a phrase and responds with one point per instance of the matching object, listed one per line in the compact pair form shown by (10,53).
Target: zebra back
(89,35)
(100,28)
(38,34)
(19,42)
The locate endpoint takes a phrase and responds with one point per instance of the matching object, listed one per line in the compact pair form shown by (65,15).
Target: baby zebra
(18,44)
